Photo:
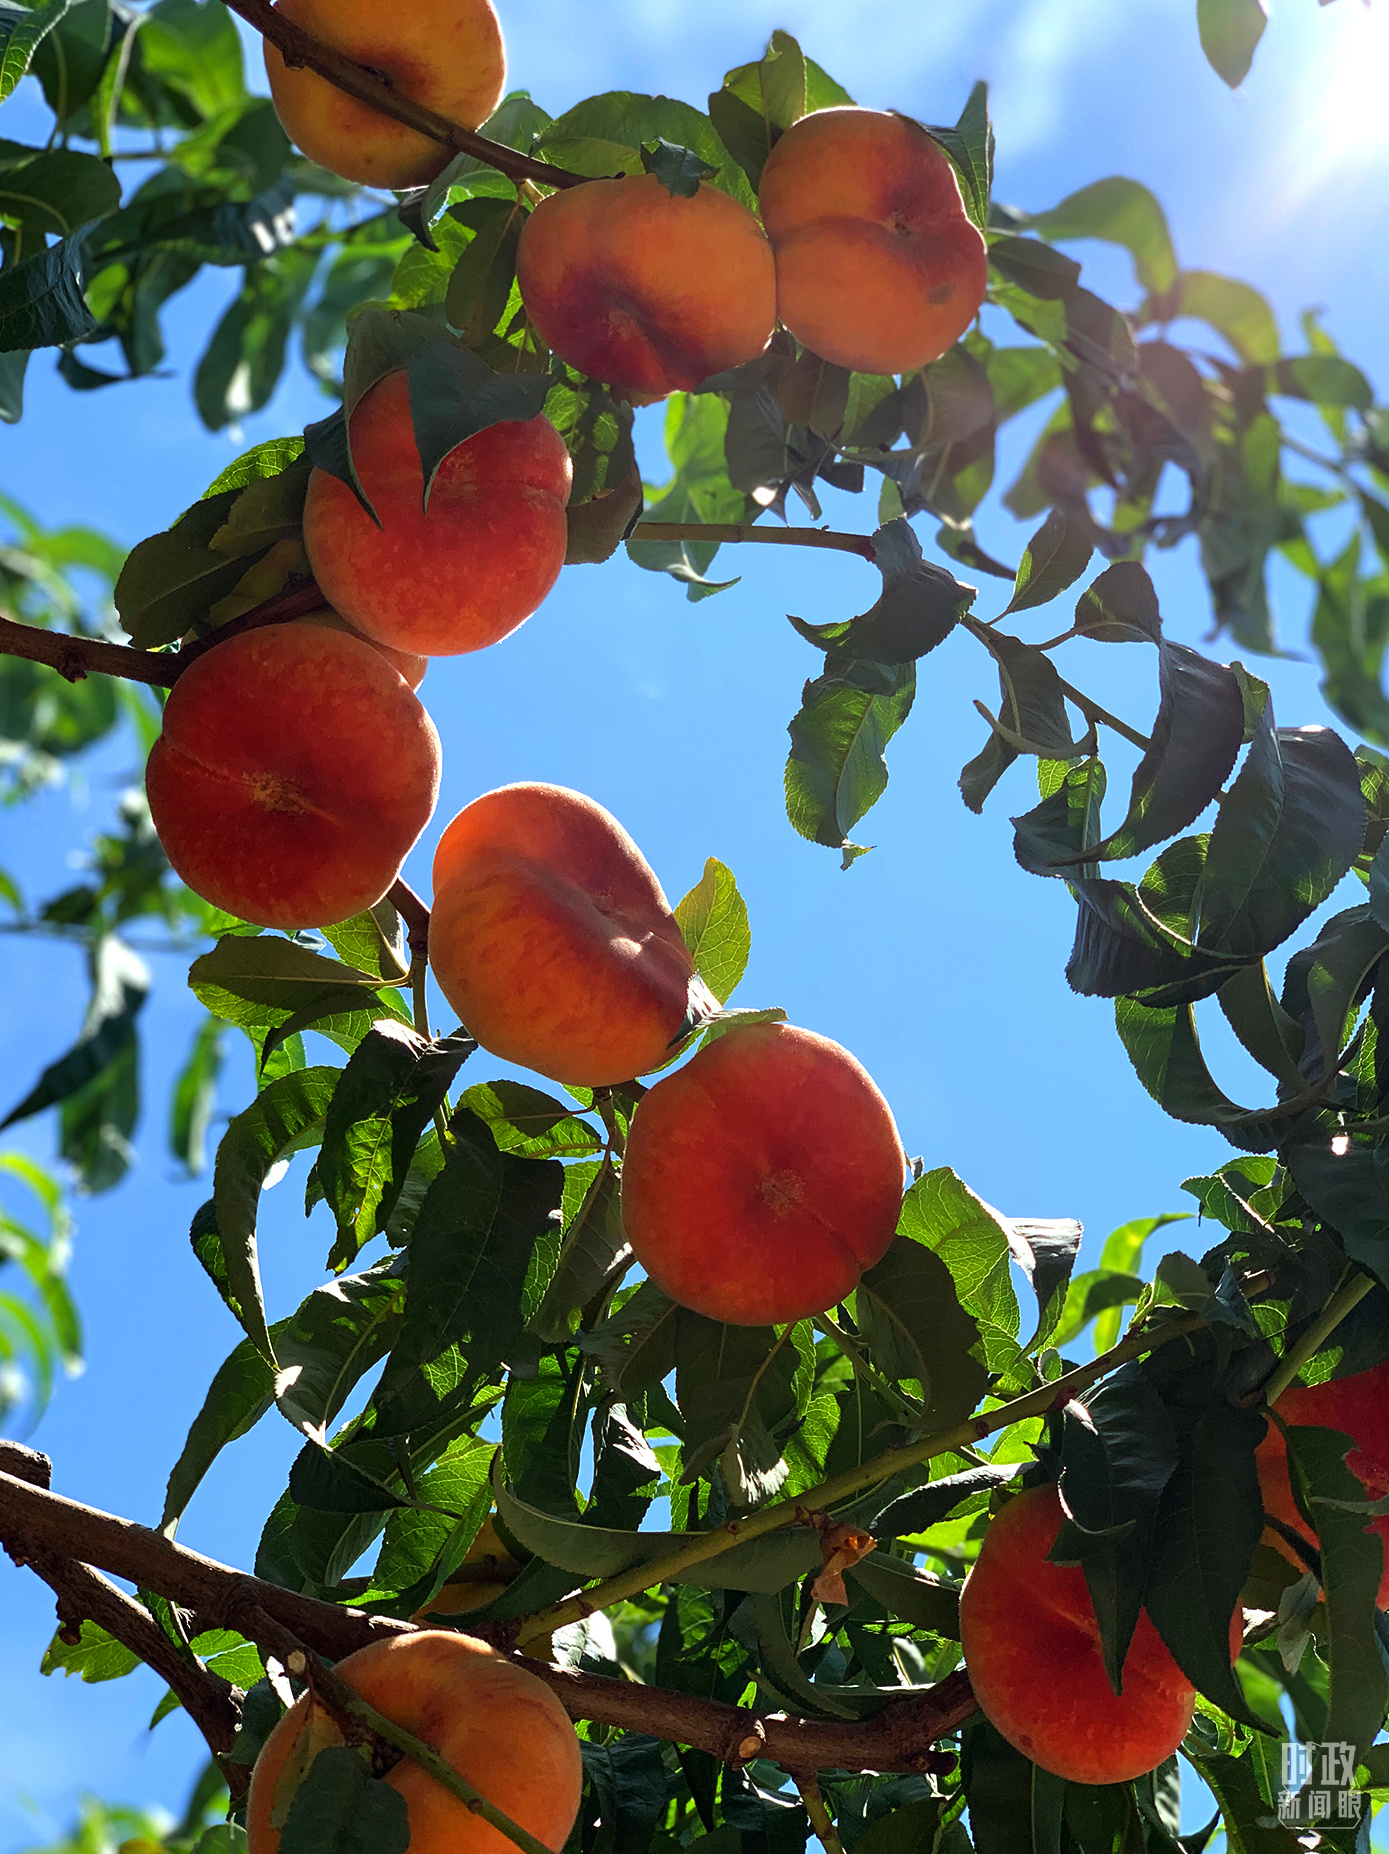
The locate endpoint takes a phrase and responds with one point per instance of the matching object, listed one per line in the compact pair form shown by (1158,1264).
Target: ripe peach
(495,1568)
(446,55)
(294,772)
(1359,1407)
(470,569)
(409,667)
(762,1178)
(498,1726)
(553,941)
(645,290)
(878,266)
(1032,1653)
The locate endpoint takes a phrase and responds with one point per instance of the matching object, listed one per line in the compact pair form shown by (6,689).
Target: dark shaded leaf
(920,605)
(120,985)
(340,1808)
(1055,558)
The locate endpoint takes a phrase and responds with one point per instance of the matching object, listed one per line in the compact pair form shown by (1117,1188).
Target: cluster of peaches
(297,768)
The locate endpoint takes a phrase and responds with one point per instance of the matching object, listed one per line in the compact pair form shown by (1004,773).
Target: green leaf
(57,191)
(1208,1527)
(120,985)
(713,920)
(597,432)
(1230,31)
(759,102)
(286,1116)
(679,170)
(431,1539)
(169,580)
(1324,379)
(393,1083)
(605,135)
(942,1213)
(338,1334)
(339,1808)
(836,770)
(1123,213)
(766,1565)
(95,1657)
(928,1505)
(21,29)
(533,1125)
(736,1388)
(238,1397)
(909,1594)
(481,281)
(269,459)
(245,356)
(970,145)
(1234,309)
(194,1096)
(193,46)
(1352,1565)
(910,1316)
(920,606)
(1055,558)
(696,426)
(41,300)
(591,1241)
(262,982)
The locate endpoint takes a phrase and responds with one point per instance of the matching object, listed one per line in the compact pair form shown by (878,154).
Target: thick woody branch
(300,48)
(35,1523)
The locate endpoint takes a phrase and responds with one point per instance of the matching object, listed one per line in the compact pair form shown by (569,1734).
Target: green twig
(702,1546)
(1349,1294)
(820,1819)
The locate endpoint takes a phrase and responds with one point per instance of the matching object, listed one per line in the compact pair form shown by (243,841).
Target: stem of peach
(705,1545)
(300,48)
(718,531)
(1349,1294)
(820,1821)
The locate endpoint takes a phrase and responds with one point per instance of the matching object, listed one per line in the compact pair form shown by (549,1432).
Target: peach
(445,54)
(553,941)
(762,1178)
(1032,1653)
(878,265)
(294,772)
(494,1569)
(410,668)
(644,290)
(498,1726)
(1359,1407)
(461,574)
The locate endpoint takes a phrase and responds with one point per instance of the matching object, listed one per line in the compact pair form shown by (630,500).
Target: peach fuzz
(644,290)
(467,571)
(1032,1653)
(410,668)
(762,1178)
(498,1726)
(553,941)
(444,54)
(878,265)
(294,772)
(1359,1407)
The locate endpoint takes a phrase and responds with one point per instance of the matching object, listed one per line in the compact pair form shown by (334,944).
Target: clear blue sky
(934,959)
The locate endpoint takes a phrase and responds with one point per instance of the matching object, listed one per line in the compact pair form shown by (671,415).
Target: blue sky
(935,959)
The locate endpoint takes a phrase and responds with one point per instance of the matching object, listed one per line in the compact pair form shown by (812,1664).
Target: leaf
(120,985)
(759,102)
(41,300)
(735,1387)
(339,1808)
(1324,379)
(269,459)
(592,1240)
(339,1333)
(942,1213)
(480,284)
(95,1657)
(470,1248)
(241,1392)
(909,1594)
(1234,309)
(245,355)
(1118,1452)
(263,982)
(393,1083)
(928,1505)
(1123,213)
(194,1095)
(713,921)
(1352,1565)
(1230,32)
(1032,705)
(920,606)
(427,1542)
(533,1125)
(836,770)
(1046,1252)
(454,395)
(57,191)
(605,135)
(21,30)
(1289,829)
(284,1117)
(1055,558)
(696,426)
(678,169)
(970,145)
(1208,1527)
(915,1328)
(766,1565)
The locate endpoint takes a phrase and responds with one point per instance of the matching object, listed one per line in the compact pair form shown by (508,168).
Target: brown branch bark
(299,48)
(35,1523)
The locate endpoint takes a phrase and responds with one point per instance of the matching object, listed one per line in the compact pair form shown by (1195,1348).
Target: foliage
(478,1317)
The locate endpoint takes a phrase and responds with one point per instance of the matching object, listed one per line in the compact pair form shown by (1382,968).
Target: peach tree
(928,1578)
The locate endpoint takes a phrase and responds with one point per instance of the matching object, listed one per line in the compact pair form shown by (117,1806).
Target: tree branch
(35,1522)
(300,48)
